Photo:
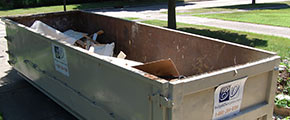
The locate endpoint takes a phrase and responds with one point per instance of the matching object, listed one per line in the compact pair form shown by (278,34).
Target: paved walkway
(154,12)
(239,26)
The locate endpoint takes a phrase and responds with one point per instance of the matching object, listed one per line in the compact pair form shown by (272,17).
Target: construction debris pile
(83,40)
(165,69)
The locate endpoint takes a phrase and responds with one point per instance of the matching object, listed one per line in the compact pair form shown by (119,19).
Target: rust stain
(219,52)
(151,76)
(191,54)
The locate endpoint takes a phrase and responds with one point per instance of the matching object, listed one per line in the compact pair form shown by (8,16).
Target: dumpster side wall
(61,21)
(194,98)
(92,89)
(192,54)
(120,93)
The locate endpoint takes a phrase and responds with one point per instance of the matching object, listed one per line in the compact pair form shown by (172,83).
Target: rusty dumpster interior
(191,54)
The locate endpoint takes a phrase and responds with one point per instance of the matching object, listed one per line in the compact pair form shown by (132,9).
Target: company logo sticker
(228,98)
(60,61)
(224,94)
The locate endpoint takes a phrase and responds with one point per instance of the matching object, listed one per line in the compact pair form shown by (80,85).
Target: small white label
(228,98)
(60,61)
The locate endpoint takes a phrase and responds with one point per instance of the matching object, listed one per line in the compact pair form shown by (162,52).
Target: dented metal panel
(93,87)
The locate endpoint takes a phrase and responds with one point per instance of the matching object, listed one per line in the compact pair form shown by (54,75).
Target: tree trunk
(64,5)
(253,2)
(171,14)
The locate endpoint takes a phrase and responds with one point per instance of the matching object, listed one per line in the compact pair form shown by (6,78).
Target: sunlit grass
(275,17)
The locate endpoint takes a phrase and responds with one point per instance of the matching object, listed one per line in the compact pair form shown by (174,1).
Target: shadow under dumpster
(21,101)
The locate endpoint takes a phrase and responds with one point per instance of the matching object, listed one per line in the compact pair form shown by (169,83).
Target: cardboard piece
(121,55)
(165,69)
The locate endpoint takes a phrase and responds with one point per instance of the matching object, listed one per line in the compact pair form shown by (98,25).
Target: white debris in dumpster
(121,55)
(43,28)
(91,41)
(88,44)
(74,34)
(106,51)
(103,49)
(121,62)
(71,36)
(95,36)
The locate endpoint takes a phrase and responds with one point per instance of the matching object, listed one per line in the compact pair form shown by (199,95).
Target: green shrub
(282,100)
(1,118)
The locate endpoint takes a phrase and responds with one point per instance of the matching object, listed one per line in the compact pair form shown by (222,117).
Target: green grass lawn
(275,17)
(83,6)
(271,43)
(131,18)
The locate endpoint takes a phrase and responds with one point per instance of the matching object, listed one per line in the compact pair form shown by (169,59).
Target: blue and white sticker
(60,61)
(228,98)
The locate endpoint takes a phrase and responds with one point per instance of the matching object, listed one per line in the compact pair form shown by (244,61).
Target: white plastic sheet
(103,49)
(43,28)
(74,34)
(71,37)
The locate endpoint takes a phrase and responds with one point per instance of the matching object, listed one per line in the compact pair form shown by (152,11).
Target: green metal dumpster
(222,80)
